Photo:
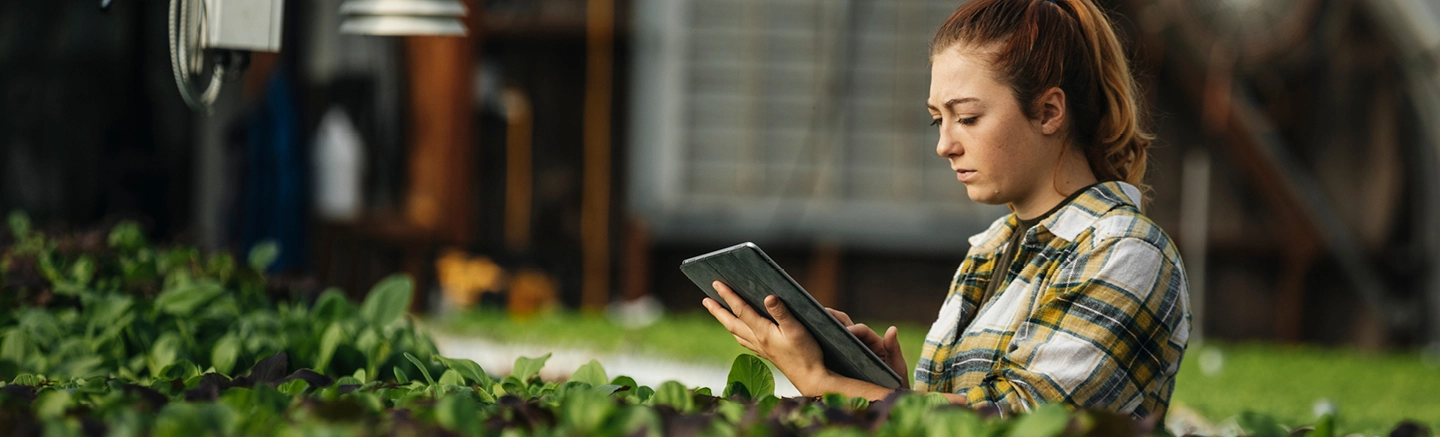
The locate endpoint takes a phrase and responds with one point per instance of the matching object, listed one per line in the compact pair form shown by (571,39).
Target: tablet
(753,275)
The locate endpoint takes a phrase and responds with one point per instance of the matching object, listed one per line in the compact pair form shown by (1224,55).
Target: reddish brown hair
(1041,44)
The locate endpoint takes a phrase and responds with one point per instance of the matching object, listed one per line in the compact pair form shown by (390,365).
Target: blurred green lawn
(1372,392)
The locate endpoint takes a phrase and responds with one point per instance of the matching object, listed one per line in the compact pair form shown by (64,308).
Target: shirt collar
(1071,220)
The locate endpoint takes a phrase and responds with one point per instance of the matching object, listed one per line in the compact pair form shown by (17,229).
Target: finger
(728,320)
(869,337)
(841,316)
(788,325)
(895,357)
(745,343)
(738,306)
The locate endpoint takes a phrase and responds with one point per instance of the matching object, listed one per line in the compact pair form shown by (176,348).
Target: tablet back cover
(752,275)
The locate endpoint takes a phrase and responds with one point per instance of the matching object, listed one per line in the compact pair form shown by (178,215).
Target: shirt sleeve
(1100,336)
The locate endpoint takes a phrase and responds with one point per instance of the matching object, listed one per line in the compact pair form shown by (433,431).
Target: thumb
(778,311)
(892,339)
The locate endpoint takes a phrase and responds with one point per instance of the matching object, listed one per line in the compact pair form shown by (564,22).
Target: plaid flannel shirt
(1095,313)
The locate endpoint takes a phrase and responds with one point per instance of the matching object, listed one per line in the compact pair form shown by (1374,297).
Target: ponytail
(1070,44)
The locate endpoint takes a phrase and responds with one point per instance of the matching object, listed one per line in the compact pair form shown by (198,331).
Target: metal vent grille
(792,121)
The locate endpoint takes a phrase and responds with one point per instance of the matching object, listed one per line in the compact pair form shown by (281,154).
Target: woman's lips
(964,175)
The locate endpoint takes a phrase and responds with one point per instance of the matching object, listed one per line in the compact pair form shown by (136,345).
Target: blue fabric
(275,183)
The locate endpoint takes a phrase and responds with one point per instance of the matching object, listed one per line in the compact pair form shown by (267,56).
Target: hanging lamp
(403,17)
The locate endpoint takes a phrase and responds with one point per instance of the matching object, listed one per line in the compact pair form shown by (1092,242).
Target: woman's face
(1001,156)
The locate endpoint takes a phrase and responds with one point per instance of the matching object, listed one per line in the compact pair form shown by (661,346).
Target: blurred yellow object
(532,292)
(464,278)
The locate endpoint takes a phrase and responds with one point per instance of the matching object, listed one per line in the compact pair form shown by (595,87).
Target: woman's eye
(968,121)
(935,122)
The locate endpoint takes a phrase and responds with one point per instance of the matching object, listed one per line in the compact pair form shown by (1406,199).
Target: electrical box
(252,25)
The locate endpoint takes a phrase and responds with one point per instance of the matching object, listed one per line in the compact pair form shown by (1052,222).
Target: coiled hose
(181,34)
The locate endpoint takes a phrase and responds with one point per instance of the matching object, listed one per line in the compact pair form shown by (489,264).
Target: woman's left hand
(784,342)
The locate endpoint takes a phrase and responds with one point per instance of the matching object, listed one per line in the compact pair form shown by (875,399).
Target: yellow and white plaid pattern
(1097,316)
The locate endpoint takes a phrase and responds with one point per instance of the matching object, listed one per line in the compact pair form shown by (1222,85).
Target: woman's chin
(983,195)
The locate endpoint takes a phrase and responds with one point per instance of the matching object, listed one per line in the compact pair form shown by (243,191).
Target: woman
(1075,297)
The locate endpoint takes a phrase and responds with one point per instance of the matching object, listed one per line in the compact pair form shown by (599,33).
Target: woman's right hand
(886,347)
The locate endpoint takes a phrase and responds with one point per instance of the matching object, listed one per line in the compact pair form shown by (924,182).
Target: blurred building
(594,144)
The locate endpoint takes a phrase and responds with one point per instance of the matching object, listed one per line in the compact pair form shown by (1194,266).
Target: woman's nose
(947,147)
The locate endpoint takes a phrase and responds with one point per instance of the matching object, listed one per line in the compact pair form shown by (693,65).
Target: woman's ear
(1052,110)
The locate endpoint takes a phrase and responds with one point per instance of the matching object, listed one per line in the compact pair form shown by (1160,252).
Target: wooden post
(595,203)
(635,283)
(518,169)
(439,193)
(439,199)
(824,277)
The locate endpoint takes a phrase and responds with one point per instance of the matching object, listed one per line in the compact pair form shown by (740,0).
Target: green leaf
(514,387)
(730,410)
(1048,420)
(625,381)
(263,254)
(1260,425)
(459,413)
(400,376)
(185,297)
(953,422)
(329,341)
(423,371)
(331,306)
(635,421)
(643,394)
(19,224)
(77,367)
(226,353)
(126,236)
(526,367)
(83,270)
(592,373)
(294,387)
(180,369)
(28,380)
(736,388)
(451,377)
(387,302)
(184,419)
(164,352)
(360,375)
(16,346)
(468,369)
(485,395)
(607,389)
(764,404)
(750,371)
(51,404)
(1325,427)
(584,411)
(676,395)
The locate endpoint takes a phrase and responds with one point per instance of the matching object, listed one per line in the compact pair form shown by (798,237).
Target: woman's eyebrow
(950,104)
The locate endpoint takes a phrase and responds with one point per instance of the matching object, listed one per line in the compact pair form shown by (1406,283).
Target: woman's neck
(1070,176)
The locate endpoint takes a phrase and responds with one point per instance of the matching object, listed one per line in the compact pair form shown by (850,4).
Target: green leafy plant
(100,333)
